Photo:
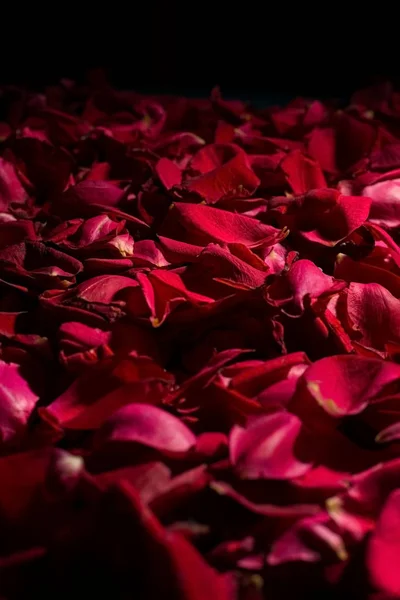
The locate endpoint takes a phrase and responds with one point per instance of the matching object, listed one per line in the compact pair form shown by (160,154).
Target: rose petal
(384,547)
(148,425)
(17,401)
(265,449)
(204,224)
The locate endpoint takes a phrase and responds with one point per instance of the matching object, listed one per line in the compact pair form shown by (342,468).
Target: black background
(253,50)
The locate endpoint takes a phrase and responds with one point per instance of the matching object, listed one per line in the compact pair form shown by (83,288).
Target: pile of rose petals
(199,346)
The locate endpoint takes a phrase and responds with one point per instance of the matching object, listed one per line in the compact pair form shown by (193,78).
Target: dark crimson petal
(363,272)
(11,189)
(253,380)
(104,389)
(47,167)
(184,571)
(268,510)
(322,147)
(77,200)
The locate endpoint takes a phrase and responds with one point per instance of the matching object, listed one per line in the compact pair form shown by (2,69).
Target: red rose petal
(384,547)
(265,449)
(303,174)
(204,224)
(374,313)
(148,425)
(17,401)
(199,345)
(344,385)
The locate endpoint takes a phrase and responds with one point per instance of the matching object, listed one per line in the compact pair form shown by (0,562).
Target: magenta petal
(302,282)
(308,541)
(344,385)
(17,401)
(265,448)
(385,207)
(375,313)
(390,434)
(307,279)
(384,548)
(150,426)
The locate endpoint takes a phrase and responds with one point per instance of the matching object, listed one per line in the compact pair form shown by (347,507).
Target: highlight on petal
(345,384)
(266,448)
(390,434)
(204,224)
(150,426)
(374,313)
(384,547)
(303,281)
(385,207)
(17,401)
(309,540)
